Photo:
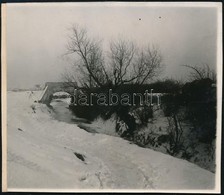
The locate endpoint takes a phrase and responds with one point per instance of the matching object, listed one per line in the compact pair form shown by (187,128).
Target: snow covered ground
(47,154)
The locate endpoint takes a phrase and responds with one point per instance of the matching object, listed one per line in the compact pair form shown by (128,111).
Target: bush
(200,100)
(171,104)
(142,114)
(175,133)
(126,126)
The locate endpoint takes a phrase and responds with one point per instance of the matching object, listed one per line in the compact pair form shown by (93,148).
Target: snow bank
(101,126)
(41,155)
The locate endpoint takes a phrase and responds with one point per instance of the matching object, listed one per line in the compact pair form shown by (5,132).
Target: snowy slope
(41,156)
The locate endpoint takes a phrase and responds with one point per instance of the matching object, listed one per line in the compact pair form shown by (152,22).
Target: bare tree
(121,59)
(202,72)
(125,62)
(148,64)
(91,63)
(131,65)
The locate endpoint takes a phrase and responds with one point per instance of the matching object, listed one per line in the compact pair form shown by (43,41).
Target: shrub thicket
(197,99)
(200,102)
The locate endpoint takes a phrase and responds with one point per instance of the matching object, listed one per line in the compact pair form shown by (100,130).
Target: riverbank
(44,153)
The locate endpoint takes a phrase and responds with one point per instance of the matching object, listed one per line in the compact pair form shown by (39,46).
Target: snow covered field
(46,154)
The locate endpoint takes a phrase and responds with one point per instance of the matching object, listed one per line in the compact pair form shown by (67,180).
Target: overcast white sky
(37,35)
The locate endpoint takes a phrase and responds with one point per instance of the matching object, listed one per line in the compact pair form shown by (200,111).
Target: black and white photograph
(111,97)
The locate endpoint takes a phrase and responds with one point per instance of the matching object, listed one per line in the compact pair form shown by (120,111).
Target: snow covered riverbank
(44,153)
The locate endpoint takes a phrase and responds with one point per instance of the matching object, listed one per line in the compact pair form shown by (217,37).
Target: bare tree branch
(127,63)
(202,72)
(148,64)
(90,53)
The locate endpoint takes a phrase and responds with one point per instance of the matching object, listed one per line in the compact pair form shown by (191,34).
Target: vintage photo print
(111,97)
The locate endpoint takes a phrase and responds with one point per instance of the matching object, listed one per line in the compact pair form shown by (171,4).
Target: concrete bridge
(53,87)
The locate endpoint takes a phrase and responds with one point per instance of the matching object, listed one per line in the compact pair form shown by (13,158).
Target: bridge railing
(41,99)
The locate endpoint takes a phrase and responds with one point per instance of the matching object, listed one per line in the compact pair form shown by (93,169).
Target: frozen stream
(63,113)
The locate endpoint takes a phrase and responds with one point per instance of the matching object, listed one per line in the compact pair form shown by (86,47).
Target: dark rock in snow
(80,156)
